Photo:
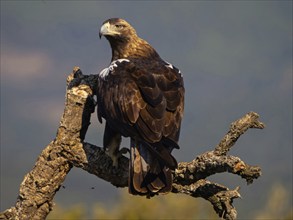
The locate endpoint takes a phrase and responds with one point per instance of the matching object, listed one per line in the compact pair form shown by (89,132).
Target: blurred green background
(236,57)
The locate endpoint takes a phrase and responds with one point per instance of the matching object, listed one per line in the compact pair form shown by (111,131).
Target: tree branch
(69,149)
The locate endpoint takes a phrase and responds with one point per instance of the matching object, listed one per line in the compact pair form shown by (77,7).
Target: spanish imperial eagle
(140,96)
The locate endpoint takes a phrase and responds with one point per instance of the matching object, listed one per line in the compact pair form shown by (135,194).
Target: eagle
(140,96)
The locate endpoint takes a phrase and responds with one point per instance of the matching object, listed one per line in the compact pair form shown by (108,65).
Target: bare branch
(68,149)
(237,128)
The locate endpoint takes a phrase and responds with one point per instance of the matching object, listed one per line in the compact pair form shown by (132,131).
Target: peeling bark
(68,149)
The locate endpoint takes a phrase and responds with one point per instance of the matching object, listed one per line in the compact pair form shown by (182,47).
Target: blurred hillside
(171,206)
(131,207)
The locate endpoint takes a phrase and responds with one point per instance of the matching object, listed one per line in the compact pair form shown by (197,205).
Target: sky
(235,56)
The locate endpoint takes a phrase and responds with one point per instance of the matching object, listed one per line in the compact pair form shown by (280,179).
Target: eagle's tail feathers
(137,171)
(148,175)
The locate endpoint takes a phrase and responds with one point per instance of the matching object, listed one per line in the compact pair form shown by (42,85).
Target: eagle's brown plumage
(142,97)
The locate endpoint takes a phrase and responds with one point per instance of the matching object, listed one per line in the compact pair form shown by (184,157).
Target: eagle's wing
(146,101)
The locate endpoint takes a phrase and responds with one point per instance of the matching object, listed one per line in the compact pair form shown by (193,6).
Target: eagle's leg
(111,142)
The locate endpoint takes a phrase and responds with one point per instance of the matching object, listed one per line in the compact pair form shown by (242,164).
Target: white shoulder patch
(169,65)
(105,72)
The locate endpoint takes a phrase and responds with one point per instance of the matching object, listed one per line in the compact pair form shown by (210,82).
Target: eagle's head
(124,41)
(117,29)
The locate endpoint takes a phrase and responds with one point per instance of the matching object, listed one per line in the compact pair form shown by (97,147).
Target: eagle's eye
(119,26)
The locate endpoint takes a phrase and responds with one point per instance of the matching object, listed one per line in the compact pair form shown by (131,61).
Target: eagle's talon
(116,155)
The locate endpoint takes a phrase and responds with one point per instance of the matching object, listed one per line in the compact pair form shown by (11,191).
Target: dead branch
(40,185)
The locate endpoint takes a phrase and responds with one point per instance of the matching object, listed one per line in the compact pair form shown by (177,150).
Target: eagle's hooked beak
(107,29)
(104,29)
